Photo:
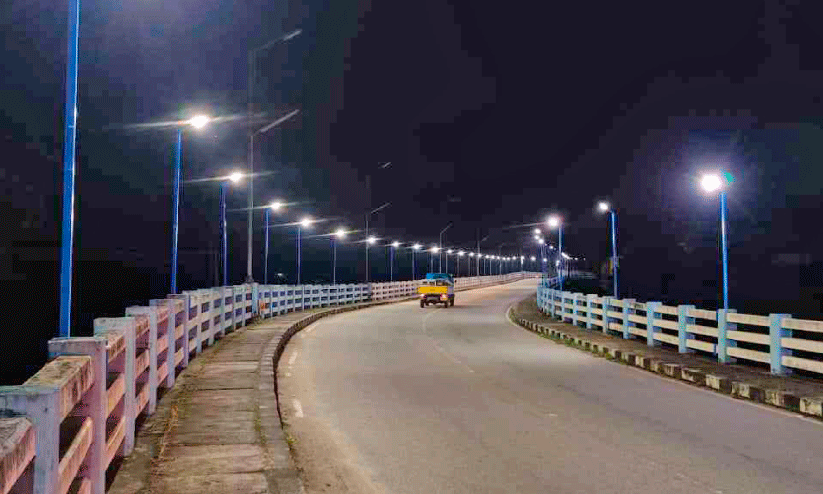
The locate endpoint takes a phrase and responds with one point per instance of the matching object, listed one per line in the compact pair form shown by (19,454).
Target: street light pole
(440,247)
(725,249)
(223,234)
(69,134)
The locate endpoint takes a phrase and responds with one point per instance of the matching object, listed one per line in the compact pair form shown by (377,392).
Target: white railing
(63,427)
(778,340)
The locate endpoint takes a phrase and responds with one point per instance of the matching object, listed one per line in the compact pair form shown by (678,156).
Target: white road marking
(293,358)
(552,415)
(288,374)
(298,410)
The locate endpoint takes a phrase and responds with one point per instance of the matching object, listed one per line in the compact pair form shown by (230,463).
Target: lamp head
(603,206)
(276,205)
(371,240)
(340,233)
(711,182)
(235,177)
(198,121)
(553,221)
(306,222)
(395,244)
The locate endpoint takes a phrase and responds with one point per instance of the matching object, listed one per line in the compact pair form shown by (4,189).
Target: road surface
(408,400)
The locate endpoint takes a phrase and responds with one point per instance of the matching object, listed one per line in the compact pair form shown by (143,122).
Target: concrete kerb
(811,406)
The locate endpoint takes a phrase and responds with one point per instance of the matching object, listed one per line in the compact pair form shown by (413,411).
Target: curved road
(408,400)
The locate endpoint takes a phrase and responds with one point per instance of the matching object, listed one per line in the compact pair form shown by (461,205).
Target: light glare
(199,121)
(711,182)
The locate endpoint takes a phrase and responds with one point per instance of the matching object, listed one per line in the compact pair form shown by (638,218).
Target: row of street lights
(710,182)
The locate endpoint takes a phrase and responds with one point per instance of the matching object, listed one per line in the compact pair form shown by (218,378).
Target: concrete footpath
(745,382)
(218,429)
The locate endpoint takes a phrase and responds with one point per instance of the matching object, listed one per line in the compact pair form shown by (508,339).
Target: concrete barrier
(62,429)
(777,340)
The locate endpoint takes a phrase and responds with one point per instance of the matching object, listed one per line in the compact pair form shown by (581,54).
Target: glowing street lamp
(199,121)
(711,183)
(604,207)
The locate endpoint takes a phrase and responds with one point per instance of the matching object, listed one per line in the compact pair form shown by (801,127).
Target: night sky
(492,116)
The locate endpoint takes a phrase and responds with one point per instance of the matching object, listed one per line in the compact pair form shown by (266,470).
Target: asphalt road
(409,400)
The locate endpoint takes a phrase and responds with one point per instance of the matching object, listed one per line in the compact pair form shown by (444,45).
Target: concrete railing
(62,429)
(777,340)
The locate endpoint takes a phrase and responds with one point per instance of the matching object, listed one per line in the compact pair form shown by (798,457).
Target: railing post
(151,314)
(723,342)
(170,338)
(683,321)
(94,403)
(575,298)
(589,306)
(651,307)
(183,299)
(776,351)
(606,305)
(627,303)
(126,327)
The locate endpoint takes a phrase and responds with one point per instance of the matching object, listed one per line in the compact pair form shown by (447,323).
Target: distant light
(537,231)
(395,244)
(557,262)
(416,246)
(371,240)
(711,182)
(199,121)
(306,222)
(340,233)
(460,253)
(545,259)
(471,254)
(575,258)
(551,247)
(553,221)
(235,177)
(541,241)
(603,206)
(533,258)
(435,249)
(449,251)
(276,205)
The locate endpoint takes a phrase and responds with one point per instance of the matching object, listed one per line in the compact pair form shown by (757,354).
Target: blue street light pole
(614,250)
(298,253)
(725,249)
(223,233)
(333,261)
(69,134)
(175,208)
(711,183)
(560,253)
(266,250)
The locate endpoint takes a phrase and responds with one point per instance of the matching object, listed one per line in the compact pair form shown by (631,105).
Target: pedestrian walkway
(218,431)
(798,394)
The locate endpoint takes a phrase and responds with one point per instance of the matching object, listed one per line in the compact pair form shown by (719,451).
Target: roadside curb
(805,405)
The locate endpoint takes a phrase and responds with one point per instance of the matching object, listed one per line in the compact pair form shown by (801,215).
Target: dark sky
(493,115)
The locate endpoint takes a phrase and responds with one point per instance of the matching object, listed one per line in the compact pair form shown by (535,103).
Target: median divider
(803,396)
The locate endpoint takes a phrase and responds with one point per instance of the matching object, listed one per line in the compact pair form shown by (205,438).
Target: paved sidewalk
(218,431)
(804,395)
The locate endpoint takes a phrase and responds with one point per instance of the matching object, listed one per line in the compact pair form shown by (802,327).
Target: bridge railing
(780,341)
(62,429)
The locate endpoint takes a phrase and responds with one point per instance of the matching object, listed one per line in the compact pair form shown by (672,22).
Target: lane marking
(298,410)
(424,327)
(293,358)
